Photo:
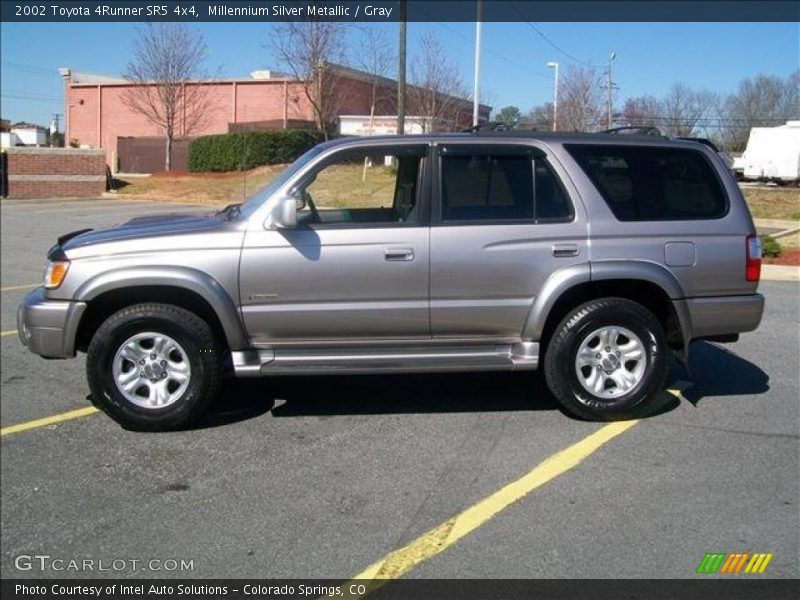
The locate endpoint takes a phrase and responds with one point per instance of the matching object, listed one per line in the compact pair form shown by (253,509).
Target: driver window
(378,185)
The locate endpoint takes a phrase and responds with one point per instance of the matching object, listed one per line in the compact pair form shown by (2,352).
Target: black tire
(201,350)
(561,371)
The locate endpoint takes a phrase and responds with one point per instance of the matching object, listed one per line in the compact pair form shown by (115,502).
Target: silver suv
(592,256)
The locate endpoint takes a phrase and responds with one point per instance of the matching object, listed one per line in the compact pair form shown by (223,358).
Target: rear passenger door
(503,221)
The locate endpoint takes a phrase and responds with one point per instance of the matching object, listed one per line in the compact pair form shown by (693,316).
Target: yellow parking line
(399,562)
(67,416)
(27,286)
(8,332)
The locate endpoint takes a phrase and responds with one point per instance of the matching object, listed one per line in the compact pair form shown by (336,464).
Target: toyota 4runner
(591,256)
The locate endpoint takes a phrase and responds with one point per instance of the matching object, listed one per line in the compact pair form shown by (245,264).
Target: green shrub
(770,247)
(243,151)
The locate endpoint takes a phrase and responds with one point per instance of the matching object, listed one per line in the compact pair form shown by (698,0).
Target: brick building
(97,117)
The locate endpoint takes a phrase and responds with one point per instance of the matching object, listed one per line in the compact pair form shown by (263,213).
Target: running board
(410,359)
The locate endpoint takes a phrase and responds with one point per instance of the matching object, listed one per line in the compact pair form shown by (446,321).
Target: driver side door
(356,266)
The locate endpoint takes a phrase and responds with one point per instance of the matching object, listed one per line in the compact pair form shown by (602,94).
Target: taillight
(752,270)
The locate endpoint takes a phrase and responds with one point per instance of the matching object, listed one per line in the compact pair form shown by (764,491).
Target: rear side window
(497,187)
(644,183)
(550,200)
(485,187)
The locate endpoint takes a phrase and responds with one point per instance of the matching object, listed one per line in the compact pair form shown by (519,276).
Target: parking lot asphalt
(322,477)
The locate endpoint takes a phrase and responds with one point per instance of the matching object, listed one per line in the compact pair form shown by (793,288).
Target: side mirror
(284,215)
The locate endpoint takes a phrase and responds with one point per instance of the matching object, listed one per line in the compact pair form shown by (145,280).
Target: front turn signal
(55,273)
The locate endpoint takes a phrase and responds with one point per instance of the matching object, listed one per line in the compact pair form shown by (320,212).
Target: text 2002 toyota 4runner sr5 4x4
(591,255)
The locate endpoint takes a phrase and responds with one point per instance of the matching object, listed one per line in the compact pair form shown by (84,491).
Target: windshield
(253,203)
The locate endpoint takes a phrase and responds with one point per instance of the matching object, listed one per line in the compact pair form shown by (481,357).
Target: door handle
(398,254)
(564,250)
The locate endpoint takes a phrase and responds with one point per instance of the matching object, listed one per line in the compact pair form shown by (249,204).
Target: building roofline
(82,79)
(367,77)
(92,80)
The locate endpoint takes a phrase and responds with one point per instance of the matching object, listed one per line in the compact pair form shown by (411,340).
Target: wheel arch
(649,284)
(188,288)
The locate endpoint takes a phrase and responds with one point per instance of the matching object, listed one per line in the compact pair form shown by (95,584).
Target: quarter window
(645,183)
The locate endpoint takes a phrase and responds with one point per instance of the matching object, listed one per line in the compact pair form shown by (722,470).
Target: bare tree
(308,48)
(580,99)
(167,72)
(684,110)
(540,117)
(642,111)
(760,101)
(438,90)
(375,58)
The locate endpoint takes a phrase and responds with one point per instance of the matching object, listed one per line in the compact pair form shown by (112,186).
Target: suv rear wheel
(153,367)
(607,360)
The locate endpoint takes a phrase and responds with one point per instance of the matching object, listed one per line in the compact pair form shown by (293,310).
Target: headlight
(55,273)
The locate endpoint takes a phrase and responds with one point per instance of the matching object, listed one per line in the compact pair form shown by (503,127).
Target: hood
(148,226)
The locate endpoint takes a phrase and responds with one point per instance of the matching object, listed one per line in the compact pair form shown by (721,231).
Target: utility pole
(401,72)
(554,65)
(54,127)
(610,85)
(476,98)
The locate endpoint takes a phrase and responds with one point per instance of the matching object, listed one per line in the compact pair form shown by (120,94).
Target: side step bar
(361,360)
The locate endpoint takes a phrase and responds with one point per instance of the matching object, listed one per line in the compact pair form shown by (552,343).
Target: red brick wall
(229,102)
(96,115)
(48,172)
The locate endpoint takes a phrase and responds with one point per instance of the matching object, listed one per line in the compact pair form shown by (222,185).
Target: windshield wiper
(230,211)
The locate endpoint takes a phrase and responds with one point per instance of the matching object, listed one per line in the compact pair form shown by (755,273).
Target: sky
(650,57)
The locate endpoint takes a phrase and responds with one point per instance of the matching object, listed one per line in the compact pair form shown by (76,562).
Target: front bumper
(48,327)
(724,315)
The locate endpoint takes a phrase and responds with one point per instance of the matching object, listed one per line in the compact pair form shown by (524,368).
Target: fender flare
(186,278)
(564,279)
(556,285)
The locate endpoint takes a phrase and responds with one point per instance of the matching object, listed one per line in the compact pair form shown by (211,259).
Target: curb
(780,273)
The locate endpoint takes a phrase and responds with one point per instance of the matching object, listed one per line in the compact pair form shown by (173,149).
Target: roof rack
(488,126)
(635,130)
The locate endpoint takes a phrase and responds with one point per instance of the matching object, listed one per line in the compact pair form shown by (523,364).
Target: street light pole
(401,72)
(554,66)
(610,84)
(476,87)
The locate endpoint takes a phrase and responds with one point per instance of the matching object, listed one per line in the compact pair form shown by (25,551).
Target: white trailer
(772,154)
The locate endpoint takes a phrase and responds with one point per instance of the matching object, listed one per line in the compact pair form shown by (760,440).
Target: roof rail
(488,126)
(500,126)
(635,130)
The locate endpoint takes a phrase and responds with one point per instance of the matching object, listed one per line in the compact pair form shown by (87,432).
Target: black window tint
(551,202)
(653,184)
(487,187)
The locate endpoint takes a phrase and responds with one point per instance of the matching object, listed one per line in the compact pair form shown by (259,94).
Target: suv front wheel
(607,360)
(153,367)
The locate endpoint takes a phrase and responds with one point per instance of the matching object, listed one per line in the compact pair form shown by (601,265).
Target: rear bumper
(48,327)
(724,315)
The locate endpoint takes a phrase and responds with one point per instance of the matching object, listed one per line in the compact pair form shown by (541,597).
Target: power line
(30,98)
(469,40)
(542,35)
(18,66)
(31,95)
